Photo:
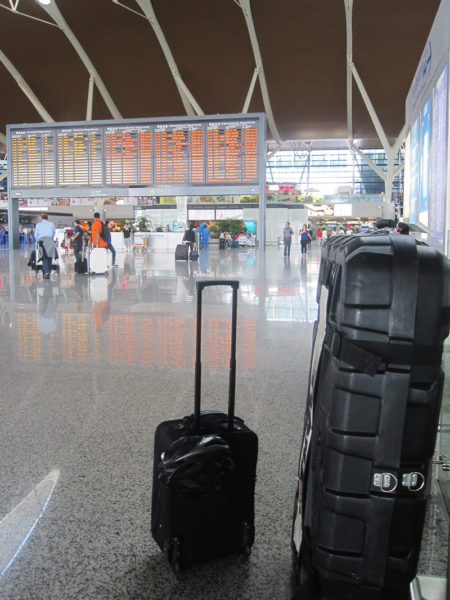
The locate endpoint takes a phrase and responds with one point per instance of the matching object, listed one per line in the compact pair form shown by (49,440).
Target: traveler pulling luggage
(375,388)
(204,473)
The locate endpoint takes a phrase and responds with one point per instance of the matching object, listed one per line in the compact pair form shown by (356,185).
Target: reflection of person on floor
(45,235)
(80,284)
(47,302)
(304,269)
(102,308)
(189,282)
(204,260)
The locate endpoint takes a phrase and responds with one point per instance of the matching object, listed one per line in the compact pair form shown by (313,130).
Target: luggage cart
(140,243)
(35,263)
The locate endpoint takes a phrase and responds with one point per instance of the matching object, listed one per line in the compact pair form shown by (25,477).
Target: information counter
(163,240)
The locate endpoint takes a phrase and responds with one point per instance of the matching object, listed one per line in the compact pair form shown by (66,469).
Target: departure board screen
(33,158)
(232,152)
(179,153)
(167,156)
(128,155)
(79,159)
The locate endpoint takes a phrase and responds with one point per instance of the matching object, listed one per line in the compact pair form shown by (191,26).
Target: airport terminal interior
(333,114)
(92,364)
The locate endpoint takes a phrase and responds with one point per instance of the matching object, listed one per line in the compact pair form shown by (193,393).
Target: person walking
(288,232)
(96,235)
(77,240)
(305,237)
(127,237)
(109,245)
(190,238)
(45,238)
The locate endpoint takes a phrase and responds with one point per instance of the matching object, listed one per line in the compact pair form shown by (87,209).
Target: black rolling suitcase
(81,265)
(204,473)
(370,426)
(181,252)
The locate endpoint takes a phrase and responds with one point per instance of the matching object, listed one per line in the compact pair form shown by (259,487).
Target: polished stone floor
(90,366)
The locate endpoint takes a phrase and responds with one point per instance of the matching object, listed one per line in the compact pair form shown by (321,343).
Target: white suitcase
(98,263)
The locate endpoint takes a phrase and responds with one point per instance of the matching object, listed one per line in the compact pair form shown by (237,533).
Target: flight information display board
(165,157)
(32,158)
(79,156)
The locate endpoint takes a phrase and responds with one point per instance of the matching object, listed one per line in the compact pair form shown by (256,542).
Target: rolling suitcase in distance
(371,419)
(204,473)
(181,252)
(81,265)
(98,261)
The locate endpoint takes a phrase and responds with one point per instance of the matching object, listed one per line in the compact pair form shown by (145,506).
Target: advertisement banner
(424,197)
(414,170)
(438,160)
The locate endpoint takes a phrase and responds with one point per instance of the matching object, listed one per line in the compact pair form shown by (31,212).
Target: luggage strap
(347,351)
(387,482)
(366,361)
(402,318)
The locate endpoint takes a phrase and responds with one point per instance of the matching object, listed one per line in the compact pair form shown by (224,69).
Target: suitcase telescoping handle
(200,285)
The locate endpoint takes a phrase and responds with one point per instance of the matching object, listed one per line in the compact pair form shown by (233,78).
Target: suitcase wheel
(244,542)
(173,555)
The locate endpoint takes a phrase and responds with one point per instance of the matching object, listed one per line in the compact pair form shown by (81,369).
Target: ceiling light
(45,2)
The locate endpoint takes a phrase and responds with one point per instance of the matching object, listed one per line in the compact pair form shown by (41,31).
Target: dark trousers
(78,251)
(113,252)
(46,265)
(287,246)
(304,246)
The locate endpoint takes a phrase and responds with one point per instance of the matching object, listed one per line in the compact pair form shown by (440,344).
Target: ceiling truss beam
(250,91)
(54,12)
(189,102)
(26,89)
(245,7)
(349,41)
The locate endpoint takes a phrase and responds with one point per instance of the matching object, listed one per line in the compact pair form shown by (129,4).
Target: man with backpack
(98,226)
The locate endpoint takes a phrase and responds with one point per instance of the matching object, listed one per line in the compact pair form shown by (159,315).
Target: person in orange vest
(97,241)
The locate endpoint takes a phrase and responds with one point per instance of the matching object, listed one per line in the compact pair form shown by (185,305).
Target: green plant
(142,224)
(214,231)
(233,226)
